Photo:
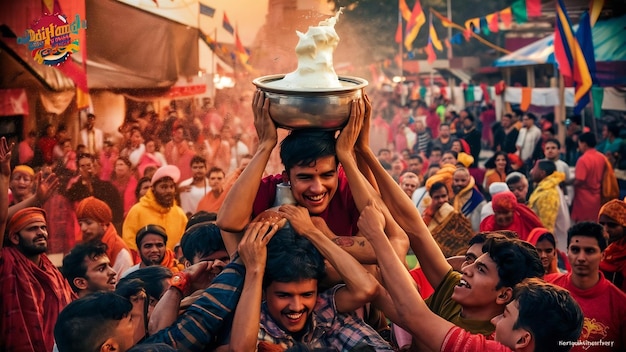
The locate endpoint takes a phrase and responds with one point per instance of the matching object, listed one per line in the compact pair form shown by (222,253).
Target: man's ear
(80,283)
(285,176)
(524,340)
(505,294)
(15,238)
(109,346)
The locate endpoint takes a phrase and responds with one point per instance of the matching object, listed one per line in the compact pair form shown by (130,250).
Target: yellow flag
(595,8)
(434,39)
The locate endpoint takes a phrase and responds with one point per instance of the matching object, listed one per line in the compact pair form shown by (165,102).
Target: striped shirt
(199,326)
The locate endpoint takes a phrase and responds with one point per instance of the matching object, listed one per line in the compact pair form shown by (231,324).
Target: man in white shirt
(528,137)
(193,189)
(91,136)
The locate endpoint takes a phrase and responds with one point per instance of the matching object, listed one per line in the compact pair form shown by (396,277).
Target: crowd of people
(227,239)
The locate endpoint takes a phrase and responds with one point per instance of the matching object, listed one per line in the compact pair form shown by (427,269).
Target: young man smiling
(311,168)
(280,303)
(602,303)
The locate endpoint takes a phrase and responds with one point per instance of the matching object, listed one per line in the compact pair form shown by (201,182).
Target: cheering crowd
(388,235)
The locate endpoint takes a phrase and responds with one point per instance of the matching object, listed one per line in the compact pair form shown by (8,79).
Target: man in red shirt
(603,304)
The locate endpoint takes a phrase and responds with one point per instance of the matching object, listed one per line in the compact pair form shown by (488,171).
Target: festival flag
(484,26)
(240,49)
(492,22)
(595,8)
(570,58)
(404,10)
(206,10)
(507,17)
(399,33)
(227,26)
(446,42)
(585,42)
(208,40)
(414,25)
(525,9)
(430,53)
(457,39)
(433,38)
(473,23)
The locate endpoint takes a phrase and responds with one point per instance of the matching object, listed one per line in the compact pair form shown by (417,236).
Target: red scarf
(614,260)
(32,297)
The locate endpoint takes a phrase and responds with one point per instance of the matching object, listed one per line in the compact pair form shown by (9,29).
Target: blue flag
(207,10)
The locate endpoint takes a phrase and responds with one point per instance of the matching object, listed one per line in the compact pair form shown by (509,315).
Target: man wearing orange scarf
(94,218)
(613,217)
(32,290)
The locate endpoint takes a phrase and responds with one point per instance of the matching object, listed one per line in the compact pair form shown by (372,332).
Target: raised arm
(5,178)
(411,311)
(45,189)
(235,212)
(405,213)
(253,252)
(361,287)
(362,190)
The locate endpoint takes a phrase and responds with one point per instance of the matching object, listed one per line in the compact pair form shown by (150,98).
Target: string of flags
(240,53)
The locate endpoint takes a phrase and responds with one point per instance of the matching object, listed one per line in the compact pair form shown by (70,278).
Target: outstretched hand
(46,187)
(5,157)
(253,246)
(265,127)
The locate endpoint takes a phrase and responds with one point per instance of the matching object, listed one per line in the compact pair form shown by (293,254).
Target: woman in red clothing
(123,178)
(510,215)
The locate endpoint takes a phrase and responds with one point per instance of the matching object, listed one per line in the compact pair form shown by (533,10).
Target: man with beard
(94,218)
(157,207)
(151,240)
(506,136)
(193,189)
(467,198)
(88,269)
(603,304)
(32,290)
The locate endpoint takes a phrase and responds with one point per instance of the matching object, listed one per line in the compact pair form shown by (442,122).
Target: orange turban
(616,210)
(25,217)
(504,202)
(95,209)
(24,169)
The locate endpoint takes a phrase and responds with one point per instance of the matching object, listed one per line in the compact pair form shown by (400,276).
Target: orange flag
(492,22)
(414,24)
(526,98)
(431,56)
(434,38)
(507,17)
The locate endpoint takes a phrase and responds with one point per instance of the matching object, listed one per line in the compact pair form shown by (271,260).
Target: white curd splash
(315,58)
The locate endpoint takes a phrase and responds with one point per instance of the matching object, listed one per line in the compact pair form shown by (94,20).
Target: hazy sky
(249,15)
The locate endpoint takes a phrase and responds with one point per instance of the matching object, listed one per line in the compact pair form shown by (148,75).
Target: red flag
(430,53)
(507,17)
(404,10)
(240,49)
(413,26)
(467,33)
(533,8)
(399,33)
(492,22)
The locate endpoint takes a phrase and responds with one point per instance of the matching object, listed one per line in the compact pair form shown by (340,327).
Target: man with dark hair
(194,188)
(157,207)
(416,164)
(552,151)
(611,142)
(472,136)
(88,269)
(203,242)
(102,322)
(220,187)
(151,245)
(444,140)
(311,169)
(506,136)
(548,201)
(603,304)
(590,169)
(286,269)
(87,183)
(536,317)
(528,137)
(177,151)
